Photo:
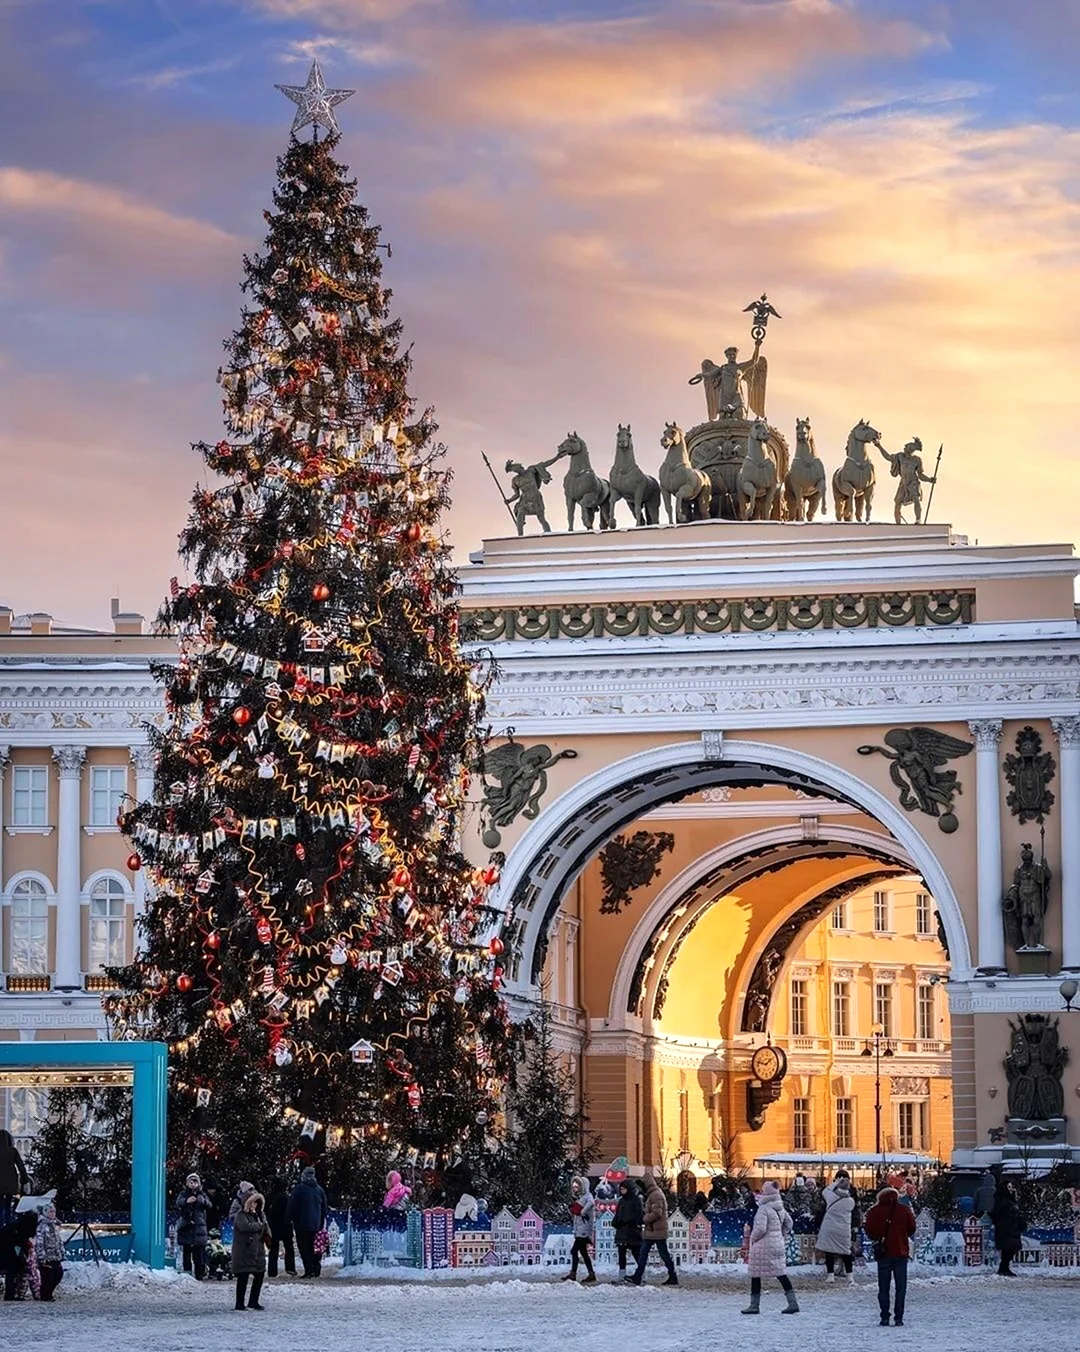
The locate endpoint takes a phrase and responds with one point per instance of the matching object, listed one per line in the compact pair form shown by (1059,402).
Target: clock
(768,1064)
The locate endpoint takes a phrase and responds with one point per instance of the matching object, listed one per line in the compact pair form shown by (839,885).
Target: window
(108,784)
(800,1124)
(883,1007)
(924,913)
(800,1021)
(26,1111)
(29,954)
(29,795)
(840,916)
(108,923)
(913,1125)
(925,1022)
(881,913)
(841,1009)
(845,1124)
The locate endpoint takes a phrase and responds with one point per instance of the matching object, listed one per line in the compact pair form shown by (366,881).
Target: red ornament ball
(412,532)
(320,592)
(299,851)
(184,983)
(401,877)
(496,947)
(241,716)
(213,940)
(490,876)
(134,863)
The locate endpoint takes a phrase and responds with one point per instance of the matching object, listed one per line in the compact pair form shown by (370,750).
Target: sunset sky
(581,198)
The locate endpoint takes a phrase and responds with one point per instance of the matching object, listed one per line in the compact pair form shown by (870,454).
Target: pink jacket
(772,1225)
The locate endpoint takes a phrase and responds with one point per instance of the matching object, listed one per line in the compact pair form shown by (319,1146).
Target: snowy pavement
(137,1311)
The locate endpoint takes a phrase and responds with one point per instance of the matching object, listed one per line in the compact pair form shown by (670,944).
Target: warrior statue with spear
(525,498)
(908,468)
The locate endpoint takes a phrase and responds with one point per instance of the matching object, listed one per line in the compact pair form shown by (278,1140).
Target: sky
(581,198)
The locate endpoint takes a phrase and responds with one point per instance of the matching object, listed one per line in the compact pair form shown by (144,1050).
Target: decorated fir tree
(315,951)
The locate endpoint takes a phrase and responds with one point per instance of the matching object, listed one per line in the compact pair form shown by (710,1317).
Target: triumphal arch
(788,809)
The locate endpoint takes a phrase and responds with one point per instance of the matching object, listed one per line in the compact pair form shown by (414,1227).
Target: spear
(930,499)
(498,487)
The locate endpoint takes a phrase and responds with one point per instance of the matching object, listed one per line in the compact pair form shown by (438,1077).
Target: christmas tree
(315,950)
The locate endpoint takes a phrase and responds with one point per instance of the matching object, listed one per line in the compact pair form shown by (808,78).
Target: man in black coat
(629,1213)
(281,1231)
(1009,1226)
(307,1212)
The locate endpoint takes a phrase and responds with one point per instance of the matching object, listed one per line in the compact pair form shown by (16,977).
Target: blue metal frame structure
(148,1062)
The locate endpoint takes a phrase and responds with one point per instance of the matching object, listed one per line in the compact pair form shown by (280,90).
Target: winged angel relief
(515,779)
(918,757)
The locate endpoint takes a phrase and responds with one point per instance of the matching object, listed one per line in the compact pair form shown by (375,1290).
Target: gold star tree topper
(314,102)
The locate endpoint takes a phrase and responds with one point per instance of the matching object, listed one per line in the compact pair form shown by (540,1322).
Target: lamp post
(1067,991)
(877,1045)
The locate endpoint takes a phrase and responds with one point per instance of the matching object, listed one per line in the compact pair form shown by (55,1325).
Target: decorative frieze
(758,614)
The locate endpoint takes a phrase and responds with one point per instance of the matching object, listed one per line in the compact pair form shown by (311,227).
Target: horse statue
(853,482)
(631,484)
(805,486)
(758,479)
(688,488)
(584,488)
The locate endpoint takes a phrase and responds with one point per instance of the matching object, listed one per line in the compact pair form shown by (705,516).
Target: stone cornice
(1006,995)
(767,688)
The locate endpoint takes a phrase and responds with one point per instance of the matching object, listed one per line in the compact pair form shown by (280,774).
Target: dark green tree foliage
(83,1150)
(548,1137)
(316,946)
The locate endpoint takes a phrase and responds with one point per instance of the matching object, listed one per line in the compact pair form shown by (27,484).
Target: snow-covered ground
(114,1309)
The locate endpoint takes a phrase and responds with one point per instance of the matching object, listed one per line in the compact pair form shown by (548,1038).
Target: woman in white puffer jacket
(834,1235)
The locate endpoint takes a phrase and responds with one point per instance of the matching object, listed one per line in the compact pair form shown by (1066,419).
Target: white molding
(1006,995)
(101,830)
(29,830)
(785,810)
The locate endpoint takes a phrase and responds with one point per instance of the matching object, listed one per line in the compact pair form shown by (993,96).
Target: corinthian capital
(1067,730)
(142,759)
(69,760)
(987,733)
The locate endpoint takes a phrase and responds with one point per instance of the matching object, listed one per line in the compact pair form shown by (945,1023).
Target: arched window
(108,924)
(29,954)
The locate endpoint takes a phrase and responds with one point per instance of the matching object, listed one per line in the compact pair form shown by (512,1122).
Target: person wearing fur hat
(890,1224)
(250,1234)
(834,1233)
(193,1231)
(768,1252)
(584,1229)
(654,1231)
(49,1251)
(307,1212)
(242,1193)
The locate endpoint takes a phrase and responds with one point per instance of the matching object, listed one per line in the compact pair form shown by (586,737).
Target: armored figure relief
(515,779)
(1033,1068)
(918,755)
(907,466)
(1026,901)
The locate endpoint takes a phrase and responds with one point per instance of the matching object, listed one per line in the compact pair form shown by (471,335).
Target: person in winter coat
(15,1241)
(14,1180)
(250,1233)
(768,1251)
(890,1224)
(242,1193)
(627,1221)
(834,1233)
(281,1231)
(49,1251)
(307,1212)
(654,1231)
(584,1229)
(193,1232)
(983,1201)
(1009,1226)
(397,1193)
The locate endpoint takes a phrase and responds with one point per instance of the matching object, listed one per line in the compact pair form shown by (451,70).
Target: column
(69,763)
(991,948)
(1067,731)
(5,757)
(142,760)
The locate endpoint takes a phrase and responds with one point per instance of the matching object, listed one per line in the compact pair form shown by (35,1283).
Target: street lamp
(1067,990)
(877,1046)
